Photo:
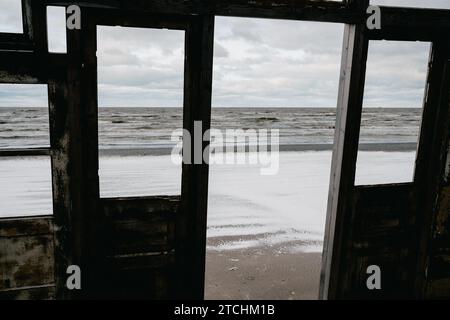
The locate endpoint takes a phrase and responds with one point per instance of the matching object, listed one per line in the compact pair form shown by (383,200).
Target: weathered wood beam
(21,67)
(25,152)
(191,220)
(29,67)
(431,163)
(140,225)
(44,292)
(27,20)
(26,251)
(38,26)
(110,17)
(16,227)
(326,11)
(15,41)
(350,98)
(397,23)
(411,24)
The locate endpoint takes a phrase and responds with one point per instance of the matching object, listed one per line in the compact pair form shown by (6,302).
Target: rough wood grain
(26,257)
(45,292)
(191,221)
(339,217)
(141,225)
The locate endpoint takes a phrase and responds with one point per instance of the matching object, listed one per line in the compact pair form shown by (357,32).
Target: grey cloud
(257,63)
(112,56)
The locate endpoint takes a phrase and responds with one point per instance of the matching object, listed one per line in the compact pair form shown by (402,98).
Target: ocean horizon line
(167,150)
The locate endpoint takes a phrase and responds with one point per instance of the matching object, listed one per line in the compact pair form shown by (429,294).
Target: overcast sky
(257,63)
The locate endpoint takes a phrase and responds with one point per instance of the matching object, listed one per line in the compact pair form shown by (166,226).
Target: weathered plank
(339,218)
(30,67)
(315,10)
(438,260)
(381,213)
(26,256)
(412,24)
(27,19)
(137,206)
(25,152)
(141,225)
(12,41)
(138,19)
(156,260)
(432,156)
(383,217)
(148,284)
(45,292)
(141,237)
(21,67)
(32,226)
(26,261)
(62,124)
(395,283)
(191,221)
(438,289)
(381,234)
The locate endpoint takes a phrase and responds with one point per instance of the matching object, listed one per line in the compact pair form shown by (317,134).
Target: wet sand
(262,273)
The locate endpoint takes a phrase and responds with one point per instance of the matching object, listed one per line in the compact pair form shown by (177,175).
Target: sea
(285,211)
(151,128)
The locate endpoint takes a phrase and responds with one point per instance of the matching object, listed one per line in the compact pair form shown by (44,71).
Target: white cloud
(257,62)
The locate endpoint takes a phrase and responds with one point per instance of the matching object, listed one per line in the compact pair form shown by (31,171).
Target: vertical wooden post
(76,145)
(37,30)
(431,156)
(27,19)
(345,150)
(67,167)
(93,222)
(60,141)
(191,221)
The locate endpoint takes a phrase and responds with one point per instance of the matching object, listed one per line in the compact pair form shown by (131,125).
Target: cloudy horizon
(257,63)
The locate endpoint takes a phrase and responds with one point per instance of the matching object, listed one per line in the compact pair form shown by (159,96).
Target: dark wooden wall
(386,225)
(141,251)
(437,253)
(155,247)
(27,258)
(438,269)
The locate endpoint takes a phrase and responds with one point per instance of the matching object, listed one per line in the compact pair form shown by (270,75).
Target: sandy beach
(265,233)
(262,273)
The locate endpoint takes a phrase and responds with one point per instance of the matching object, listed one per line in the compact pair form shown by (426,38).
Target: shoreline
(164,151)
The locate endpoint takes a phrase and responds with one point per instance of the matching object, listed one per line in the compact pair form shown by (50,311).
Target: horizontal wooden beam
(25,152)
(326,11)
(102,16)
(307,10)
(411,24)
(26,251)
(26,67)
(140,225)
(27,226)
(408,24)
(44,292)
(15,41)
